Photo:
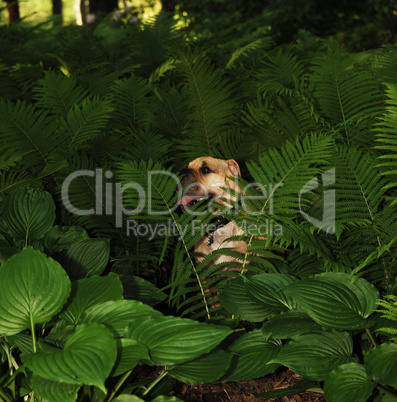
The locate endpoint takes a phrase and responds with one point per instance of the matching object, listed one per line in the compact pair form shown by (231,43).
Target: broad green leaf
(117,315)
(136,288)
(174,340)
(21,341)
(381,364)
(268,289)
(128,398)
(33,288)
(29,213)
(349,382)
(91,291)
(61,237)
(87,358)
(129,354)
(53,390)
(237,301)
(252,354)
(289,324)
(205,369)
(166,398)
(86,258)
(314,356)
(332,301)
(61,331)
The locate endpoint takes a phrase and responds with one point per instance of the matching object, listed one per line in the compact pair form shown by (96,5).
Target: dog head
(206,178)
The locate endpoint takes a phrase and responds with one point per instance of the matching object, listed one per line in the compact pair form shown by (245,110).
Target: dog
(205,178)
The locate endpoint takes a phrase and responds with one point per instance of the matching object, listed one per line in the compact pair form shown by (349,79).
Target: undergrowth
(95,122)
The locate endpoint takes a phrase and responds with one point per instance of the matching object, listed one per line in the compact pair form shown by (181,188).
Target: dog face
(205,177)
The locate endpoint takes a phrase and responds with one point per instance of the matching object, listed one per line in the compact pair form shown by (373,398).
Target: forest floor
(242,391)
(245,390)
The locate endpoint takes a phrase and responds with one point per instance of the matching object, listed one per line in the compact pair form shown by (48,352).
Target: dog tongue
(186,199)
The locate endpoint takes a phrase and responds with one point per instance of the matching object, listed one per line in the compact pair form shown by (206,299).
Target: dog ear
(234,167)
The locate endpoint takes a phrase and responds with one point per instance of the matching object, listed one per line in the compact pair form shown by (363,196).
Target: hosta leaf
(252,353)
(136,288)
(116,315)
(206,368)
(29,213)
(237,301)
(289,324)
(332,301)
(87,358)
(130,353)
(61,237)
(314,356)
(128,398)
(53,390)
(21,341)
(349,382)
(268,289)
(86,258)
(173,340)
(32,289)
(381,364)
(91,291)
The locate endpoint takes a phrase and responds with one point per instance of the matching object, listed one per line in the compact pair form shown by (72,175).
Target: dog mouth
(187,201)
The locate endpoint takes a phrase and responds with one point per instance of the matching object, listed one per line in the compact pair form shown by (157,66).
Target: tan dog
(205,177)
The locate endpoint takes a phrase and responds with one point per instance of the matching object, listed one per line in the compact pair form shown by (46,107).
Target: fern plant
(389,310)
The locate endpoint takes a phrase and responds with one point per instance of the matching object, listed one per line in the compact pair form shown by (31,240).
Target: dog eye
(206,170)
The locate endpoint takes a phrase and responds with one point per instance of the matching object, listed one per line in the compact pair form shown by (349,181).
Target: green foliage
(92,136)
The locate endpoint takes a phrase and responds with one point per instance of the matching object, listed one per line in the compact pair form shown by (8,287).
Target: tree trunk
(57,10)
(102,7)
(13,10)
(168,5)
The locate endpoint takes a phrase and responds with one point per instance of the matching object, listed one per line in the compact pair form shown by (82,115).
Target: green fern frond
(285,110)
(154,196)
(10,159)
(29,130)
(26,76)
(283,120)
(171,112)
(81,51)
(58,93)
(386,131)
(132,105)
(211,105)
(186,275)
(388,309)
(147,44)
(360,189)
(145,144)
(84,122)
(384,64)
(81,192)
(283,173)
(244,51)
(162,70)
(346,93)
(360,194)
(12,179)
(283,68)
(235,144)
